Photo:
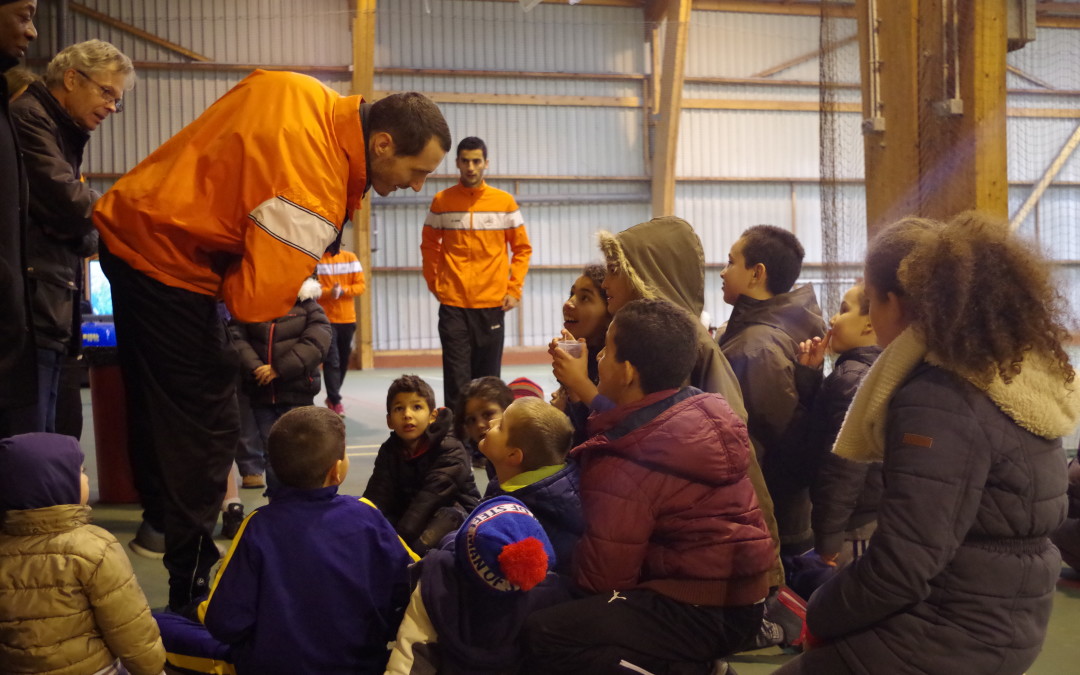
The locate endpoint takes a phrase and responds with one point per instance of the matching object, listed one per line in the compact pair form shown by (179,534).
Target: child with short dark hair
(844,494)
(768,321)
(69,600)
(676,553)
(480,404)
(422,480)
(314,582)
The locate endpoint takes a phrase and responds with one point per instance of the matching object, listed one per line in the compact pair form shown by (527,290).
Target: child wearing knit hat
(474,594)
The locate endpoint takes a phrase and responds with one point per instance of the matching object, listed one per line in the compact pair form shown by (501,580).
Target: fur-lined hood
(1037,399)
(662,258)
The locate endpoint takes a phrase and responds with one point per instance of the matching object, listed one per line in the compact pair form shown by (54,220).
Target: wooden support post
(670,95)
(941,95)
(363,82)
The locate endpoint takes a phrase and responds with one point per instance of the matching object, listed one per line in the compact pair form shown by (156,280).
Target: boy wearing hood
(761,342)
(71,602)
(422,480)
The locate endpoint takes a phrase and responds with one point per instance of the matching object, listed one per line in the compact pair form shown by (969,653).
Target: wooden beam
(676,31)
(523,74)
(793,9)
(595,3)
(529,99)
(1030,78)
(809,56)
(137,32)
(363,82)
(655,10)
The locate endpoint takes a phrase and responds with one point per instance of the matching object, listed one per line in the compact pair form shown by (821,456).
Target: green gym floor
(364,394)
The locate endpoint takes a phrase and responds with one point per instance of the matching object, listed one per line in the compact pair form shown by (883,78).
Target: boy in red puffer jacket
(675,553)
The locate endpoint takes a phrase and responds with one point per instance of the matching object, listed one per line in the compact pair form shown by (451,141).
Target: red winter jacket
(668,505)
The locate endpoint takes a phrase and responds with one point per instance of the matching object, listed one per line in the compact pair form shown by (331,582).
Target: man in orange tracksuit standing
(466,234)
(238,206)
(342,279)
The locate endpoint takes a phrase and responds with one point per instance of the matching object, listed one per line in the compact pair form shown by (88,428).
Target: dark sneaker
(231,518)
(148,542)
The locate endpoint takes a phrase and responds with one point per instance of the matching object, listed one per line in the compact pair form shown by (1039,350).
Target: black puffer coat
(60,232)
(410,489)
(294,345)
(960,575)
(844,493)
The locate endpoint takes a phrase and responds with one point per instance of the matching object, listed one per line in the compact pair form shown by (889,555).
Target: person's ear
(514,456)
(760,274)
(69,79)
(868,328)
(630,374)
(434,414)
(336,474)
(388,424)
(381,144)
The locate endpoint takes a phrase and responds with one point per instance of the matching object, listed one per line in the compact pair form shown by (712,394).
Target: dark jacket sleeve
(308,351)
(62,203)
(232,608)
(931,500)
(835,494)
(441,484)
(249,359)
(380,487)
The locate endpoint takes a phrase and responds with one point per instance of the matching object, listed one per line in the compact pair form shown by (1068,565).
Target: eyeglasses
(107,94)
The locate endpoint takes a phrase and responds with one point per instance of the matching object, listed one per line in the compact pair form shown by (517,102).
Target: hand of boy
(572,371)
(812,352)
(264,374)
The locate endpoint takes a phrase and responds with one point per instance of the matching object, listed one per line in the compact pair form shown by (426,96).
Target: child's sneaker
(336,407)
(148,542)
(253,481)
(231,518)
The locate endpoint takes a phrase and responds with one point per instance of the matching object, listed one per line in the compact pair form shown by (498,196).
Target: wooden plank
(517,74)
(748,104)
(137,32)
(1047,178)
(792,9)
(676,32)
(363,82)
(529,99)
(1029,77)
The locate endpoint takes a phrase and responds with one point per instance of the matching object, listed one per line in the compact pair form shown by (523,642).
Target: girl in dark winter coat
(966,408)
(280,359)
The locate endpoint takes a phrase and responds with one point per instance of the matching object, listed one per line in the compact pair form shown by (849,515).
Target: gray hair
(92,56)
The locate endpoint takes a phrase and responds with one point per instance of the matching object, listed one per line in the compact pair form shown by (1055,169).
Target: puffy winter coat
(410,489)
(668,504)
(60,232)
(294,345)
(556,503)
(844,493)
(69,600)
(959,576)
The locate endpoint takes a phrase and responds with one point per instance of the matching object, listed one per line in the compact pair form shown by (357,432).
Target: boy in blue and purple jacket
(314,582)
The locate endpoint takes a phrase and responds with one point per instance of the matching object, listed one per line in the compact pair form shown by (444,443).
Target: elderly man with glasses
(84,84)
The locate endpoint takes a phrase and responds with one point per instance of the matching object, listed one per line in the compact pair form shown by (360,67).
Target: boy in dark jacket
(676,554)
(315,582)
(527,449)
(422,480)
(761,341)
(280,360)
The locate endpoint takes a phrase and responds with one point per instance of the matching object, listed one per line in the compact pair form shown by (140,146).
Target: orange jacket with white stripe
(242,202)
(343,269)
(464,245)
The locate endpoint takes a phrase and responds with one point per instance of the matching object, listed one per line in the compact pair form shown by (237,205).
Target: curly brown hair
(981,297)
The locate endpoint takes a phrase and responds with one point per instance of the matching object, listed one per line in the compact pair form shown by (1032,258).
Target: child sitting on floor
(480,404)
(422,480)
(315,582)
(474,594)
(69,600)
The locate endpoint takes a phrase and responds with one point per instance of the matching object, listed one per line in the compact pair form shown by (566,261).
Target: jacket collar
(863,355)
(795,313)
(72,131)
(47,520)
(353,141)
(619,421)
(285,493)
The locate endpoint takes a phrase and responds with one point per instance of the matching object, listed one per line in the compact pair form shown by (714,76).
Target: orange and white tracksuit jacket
(466,234)
(242,202)
(344,269)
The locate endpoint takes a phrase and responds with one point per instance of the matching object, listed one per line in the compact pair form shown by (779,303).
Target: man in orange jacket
(466,267)
(342,278)
(238,206)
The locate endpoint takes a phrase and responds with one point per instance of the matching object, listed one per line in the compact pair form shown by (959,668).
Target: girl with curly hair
(966,407)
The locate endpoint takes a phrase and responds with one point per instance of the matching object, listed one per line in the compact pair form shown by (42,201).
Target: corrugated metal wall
(771,155)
